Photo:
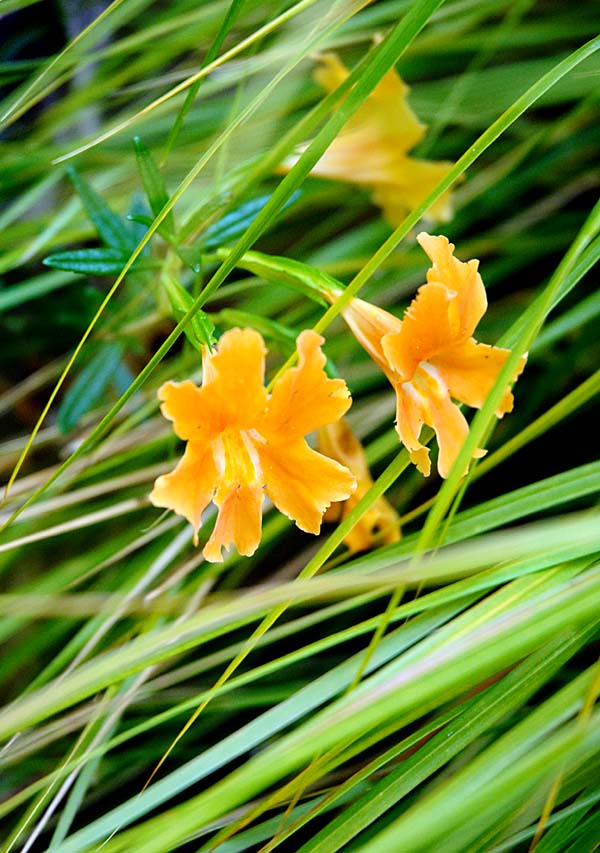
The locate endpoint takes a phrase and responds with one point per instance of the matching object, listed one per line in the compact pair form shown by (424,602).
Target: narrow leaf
(111,228)
(96,261)
(306,279)
(235,223)
(90,385)
(154,185)
(200,329)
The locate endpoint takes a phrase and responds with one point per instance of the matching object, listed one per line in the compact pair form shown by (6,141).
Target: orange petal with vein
(190,487)
(188,407)
(470,370)
(369,324)
(458,276)
(238,523)
(409,421)
(303,483)
(429,324)
(451,429)
(304,398)
(234,373)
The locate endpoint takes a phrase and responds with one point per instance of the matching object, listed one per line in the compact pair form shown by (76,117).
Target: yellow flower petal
(331,71)
(462,278)
(380,524)
(470,369)
(372,148)
(410,418)
(370,324)
(304,398)
(426,401)
(429,356)
(384,115)
(190,487)
(303,483)
(239,496)
(240,440)
(404,186)
(238,523)
(234,373)
(429,324)
(187,406)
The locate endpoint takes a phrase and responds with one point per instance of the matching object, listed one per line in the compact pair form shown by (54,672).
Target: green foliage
(200,330)
(435,693)
(90,385)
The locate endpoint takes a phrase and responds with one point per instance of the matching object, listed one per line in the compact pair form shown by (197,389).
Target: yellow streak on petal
(238,496)
(410,417)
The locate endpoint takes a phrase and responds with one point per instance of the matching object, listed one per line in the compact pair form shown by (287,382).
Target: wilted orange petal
(303,483)
(193,416)
(470,370)
(234,373)
(190,487)
(304,398)
(339,442)
(429,325)
(460,277)
(238,523)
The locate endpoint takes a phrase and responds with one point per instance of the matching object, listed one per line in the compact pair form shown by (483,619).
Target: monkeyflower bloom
(430,356)
(372,149)
(380,524)
(242,441)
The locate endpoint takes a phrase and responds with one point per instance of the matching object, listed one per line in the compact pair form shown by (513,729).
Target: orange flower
(241,440)
(339,442)
(372,149)
(430,356)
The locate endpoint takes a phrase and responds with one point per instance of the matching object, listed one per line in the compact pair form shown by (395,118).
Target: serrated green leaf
(308,280)
(111,228)
(200,329)
(154,185)
(90,385)
(98,261)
